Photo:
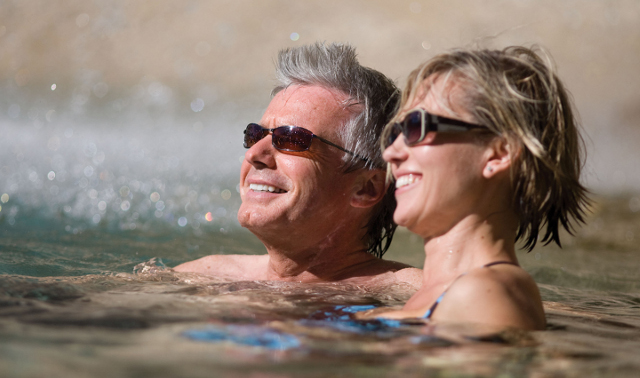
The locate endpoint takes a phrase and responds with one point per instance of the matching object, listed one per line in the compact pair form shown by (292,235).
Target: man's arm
(412,276)
(237,267)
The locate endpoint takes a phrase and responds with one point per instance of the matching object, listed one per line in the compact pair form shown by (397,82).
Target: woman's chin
(402,219)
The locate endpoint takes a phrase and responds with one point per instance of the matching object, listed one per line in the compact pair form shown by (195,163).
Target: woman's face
(439,181)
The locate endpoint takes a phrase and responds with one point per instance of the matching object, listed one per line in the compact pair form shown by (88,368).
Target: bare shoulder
(503,295)
(241,267)
(402,272)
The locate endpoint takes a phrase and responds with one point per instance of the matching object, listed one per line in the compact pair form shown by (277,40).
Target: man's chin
(256,220)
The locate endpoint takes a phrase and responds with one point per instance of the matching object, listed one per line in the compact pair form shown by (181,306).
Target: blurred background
(121,113)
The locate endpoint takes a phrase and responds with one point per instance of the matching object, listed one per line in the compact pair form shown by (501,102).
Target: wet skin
(307,211)
(453,190)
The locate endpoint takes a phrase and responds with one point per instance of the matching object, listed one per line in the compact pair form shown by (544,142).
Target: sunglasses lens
(253,133)
(412,127)
(394,131)
(292,138)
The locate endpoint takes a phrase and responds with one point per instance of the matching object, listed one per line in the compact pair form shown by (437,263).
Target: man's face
(310,194)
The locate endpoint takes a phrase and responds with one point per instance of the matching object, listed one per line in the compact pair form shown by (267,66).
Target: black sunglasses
(418,122)
(286,138)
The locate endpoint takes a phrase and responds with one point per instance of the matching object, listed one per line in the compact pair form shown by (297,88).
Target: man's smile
(265,188)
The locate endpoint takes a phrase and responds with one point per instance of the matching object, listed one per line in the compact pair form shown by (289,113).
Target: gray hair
(372,99)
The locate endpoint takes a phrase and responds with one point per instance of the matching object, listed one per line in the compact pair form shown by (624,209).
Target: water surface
(75,304)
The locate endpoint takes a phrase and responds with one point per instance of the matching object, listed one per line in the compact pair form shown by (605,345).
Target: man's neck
(318,264)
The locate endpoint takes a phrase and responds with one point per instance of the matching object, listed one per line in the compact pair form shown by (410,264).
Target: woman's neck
(471,243)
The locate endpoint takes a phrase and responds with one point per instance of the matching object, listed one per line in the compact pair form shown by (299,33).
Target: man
(317,198)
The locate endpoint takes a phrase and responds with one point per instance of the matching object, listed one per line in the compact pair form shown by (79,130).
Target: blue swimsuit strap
(435,304)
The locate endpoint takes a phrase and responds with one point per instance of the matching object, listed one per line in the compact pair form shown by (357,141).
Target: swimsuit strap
(498,263)
(435,304)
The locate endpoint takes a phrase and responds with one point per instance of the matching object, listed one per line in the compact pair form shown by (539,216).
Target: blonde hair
(518,96)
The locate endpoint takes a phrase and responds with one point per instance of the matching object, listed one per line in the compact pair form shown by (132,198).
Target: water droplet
(124,191)
(53,87)
(629,236)
(197,105)
(182,221)
(100,89)
(294,36)
(82,20)
(50,116)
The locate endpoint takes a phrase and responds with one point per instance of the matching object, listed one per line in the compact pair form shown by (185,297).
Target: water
(95,302)
(93,213)
(120,147)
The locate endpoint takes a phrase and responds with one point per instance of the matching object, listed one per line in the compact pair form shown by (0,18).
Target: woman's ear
(370,188)
(499,157)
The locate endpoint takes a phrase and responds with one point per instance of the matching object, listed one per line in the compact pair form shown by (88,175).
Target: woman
(485,151)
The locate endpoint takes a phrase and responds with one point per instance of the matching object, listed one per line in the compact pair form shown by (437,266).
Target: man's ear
(370,187)
(499,157)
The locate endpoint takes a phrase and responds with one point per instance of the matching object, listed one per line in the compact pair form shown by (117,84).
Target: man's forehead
(307,106)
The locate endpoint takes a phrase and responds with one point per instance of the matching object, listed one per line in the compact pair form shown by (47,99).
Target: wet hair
(516,93)
(372,99)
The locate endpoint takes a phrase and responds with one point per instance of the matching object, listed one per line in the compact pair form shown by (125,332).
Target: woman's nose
(396,151)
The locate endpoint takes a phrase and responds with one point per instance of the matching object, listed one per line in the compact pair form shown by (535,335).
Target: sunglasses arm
(341,148)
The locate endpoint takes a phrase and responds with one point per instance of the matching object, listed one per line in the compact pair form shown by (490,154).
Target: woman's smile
(408,179)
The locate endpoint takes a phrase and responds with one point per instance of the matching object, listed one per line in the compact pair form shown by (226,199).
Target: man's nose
(261,154)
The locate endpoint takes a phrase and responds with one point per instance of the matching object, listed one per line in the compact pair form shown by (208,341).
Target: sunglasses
(286,138)
(418,122)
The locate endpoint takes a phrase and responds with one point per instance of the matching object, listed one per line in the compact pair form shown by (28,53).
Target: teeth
(406,180)
(265,188)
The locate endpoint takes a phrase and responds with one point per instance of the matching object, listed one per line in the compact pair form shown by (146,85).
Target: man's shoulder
(410,275)
(401,272)
(238,267)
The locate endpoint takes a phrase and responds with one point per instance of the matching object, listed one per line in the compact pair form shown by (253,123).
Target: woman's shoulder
(504,295)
